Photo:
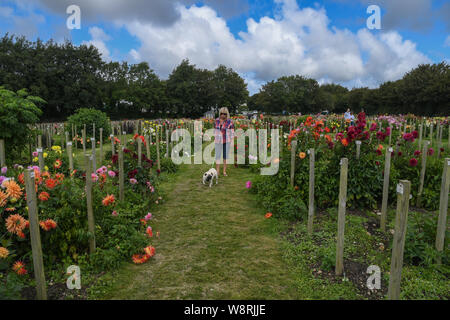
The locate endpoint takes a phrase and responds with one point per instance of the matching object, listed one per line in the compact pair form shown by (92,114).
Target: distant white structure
(210,114)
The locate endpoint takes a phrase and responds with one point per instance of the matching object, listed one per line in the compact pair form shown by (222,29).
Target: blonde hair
(224,110)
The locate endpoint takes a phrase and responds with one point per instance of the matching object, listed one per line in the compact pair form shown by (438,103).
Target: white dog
(209,177)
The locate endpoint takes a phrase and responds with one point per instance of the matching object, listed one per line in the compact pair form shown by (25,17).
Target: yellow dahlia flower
(3,253)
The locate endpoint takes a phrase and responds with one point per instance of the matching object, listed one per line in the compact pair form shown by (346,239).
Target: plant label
(400,188)
(69,144)
(358,143)
(391,149)
(111,136)
(39,150)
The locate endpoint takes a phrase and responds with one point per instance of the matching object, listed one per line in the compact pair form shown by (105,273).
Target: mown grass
(214,244)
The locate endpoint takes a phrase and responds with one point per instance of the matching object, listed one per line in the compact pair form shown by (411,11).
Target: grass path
(214,244)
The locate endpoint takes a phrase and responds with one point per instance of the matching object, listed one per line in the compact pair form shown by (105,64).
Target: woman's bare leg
(217,167)
(224,167)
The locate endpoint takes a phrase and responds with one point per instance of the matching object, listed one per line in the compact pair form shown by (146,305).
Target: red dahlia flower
(413,162)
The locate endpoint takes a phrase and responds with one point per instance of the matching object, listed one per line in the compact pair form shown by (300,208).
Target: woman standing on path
(224,133)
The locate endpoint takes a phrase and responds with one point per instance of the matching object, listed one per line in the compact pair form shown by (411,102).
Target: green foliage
(17,111)
(420,240)
(88,117)
(327,256)
(11,286)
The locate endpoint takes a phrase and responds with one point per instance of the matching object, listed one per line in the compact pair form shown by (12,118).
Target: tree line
(70,77)
(423,91)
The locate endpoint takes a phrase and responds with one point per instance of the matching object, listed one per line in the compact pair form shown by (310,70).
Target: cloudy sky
(260,39)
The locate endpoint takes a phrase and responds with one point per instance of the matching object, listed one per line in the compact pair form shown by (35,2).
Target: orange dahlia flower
(13,189)
(344,142)
(302,155)
(44,196)
(19,268)
(50,183)
(15,223)
(268,215)
(150,251)
(48,224)
(59,177)
(140,259)
(21,179)
(109,199)
(3,198)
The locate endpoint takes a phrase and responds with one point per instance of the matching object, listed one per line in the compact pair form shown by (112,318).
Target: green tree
(17,112)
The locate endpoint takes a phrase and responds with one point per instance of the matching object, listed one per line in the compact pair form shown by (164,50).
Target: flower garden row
(360,153)
(122,230)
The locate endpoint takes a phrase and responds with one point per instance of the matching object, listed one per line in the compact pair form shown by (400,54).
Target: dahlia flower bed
(337,140)
(123,229)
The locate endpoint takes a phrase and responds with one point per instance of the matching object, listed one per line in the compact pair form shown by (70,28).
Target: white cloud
(298,41)
(447,42)
(99,37)
(21,25)
(5,12)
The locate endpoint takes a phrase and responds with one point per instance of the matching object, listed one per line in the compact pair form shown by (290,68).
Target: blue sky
(262,40)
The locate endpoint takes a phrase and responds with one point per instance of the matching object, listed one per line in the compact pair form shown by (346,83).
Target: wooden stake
(443,208)
(390,135)
(139,142)
(94,158)
(147,147)
(35,235)
(422,172)
(358,149)
(67,139)
(387,171)
(398,245)
(157,149)
(76,138)
(101,146)
(2,153)
(41,160)
(70,154)
(420,136)
(90,211)
(293,154)
(167,143)
(341,217)
(311,191)
(112,144)
(431,135)
(84,139)
(439,139)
